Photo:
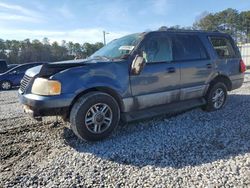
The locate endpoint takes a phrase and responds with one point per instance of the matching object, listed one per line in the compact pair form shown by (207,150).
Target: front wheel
(216,97)
(6,85)
(94,116)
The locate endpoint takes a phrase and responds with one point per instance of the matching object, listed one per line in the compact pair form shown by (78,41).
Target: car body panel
(113,75)
(11,66)
(43,102)
(156,85)
(228,67)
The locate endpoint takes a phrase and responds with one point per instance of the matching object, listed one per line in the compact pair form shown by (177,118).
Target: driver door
(159,81)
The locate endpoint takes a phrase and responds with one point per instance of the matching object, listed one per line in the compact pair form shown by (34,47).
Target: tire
(216,97)
(6,85)
(94,116)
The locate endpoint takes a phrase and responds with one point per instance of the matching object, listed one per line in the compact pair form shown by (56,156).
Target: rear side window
(223,47)
(188,47)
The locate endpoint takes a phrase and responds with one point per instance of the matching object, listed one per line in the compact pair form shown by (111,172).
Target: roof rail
(216,30)
(164,28)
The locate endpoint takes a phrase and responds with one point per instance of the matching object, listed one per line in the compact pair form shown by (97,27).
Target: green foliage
(230,21)
(18,52)
(244,18)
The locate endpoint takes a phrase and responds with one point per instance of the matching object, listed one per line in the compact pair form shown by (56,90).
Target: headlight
(42,86)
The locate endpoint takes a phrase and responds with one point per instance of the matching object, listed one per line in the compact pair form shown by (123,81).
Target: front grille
(24,83)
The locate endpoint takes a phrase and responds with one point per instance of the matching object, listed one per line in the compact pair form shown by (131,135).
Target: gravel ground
(192,149)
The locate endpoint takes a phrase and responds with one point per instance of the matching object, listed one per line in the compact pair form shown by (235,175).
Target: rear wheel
(94,116)
(216,97)
(6,85)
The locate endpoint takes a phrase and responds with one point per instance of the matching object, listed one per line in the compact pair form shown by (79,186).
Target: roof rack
(165,28)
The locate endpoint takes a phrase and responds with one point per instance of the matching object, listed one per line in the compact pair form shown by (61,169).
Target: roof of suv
(187,31)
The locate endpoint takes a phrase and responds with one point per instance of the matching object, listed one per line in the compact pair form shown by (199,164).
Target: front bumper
(37,106)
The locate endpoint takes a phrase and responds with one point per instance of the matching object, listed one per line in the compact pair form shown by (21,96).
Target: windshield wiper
(101,57)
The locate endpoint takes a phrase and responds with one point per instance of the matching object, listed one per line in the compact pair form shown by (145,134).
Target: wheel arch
(224,79)
(106,90)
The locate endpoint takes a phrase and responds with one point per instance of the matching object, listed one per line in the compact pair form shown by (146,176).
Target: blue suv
(137,76)
(13,77)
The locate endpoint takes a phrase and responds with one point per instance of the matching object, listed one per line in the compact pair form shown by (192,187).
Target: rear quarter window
(223,47)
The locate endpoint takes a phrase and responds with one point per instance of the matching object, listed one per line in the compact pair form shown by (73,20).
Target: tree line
(18,52)
(230,21)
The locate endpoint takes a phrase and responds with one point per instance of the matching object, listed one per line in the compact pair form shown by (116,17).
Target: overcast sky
(84,20)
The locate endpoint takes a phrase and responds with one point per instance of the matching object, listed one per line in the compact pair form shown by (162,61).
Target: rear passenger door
(195,65)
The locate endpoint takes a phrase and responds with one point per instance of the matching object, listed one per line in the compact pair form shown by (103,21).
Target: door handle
(209,65)
(171,70)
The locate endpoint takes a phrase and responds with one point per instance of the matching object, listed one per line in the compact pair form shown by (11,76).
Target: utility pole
(104,37)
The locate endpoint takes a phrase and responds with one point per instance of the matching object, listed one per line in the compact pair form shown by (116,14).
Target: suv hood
(48,69)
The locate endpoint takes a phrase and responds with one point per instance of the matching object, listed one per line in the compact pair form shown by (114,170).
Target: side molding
(150,100)
(193,92)
(161,98)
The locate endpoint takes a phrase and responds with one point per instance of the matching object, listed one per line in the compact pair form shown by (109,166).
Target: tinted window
(157,49)
(223,47)
(188,47)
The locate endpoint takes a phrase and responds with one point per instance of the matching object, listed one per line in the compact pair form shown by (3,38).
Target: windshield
(118,48)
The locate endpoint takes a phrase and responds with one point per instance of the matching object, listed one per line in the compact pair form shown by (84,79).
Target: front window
(157,49)
(118,48)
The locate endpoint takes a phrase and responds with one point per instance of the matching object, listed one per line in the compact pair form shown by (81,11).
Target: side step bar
(162,109)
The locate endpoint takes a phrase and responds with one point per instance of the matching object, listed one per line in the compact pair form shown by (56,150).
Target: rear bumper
(36,105)
(237,83)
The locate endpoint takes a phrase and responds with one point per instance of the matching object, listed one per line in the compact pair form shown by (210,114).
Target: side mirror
(137,65)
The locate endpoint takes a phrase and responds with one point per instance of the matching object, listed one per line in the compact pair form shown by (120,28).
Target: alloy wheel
(98,118)
(218,98)
(6,85)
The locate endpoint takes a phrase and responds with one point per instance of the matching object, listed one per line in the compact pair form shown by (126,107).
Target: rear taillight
(242,66)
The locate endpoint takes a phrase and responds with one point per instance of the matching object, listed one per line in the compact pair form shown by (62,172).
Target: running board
(163,109)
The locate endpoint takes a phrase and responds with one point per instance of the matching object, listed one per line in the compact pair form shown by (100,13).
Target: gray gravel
(192,149)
